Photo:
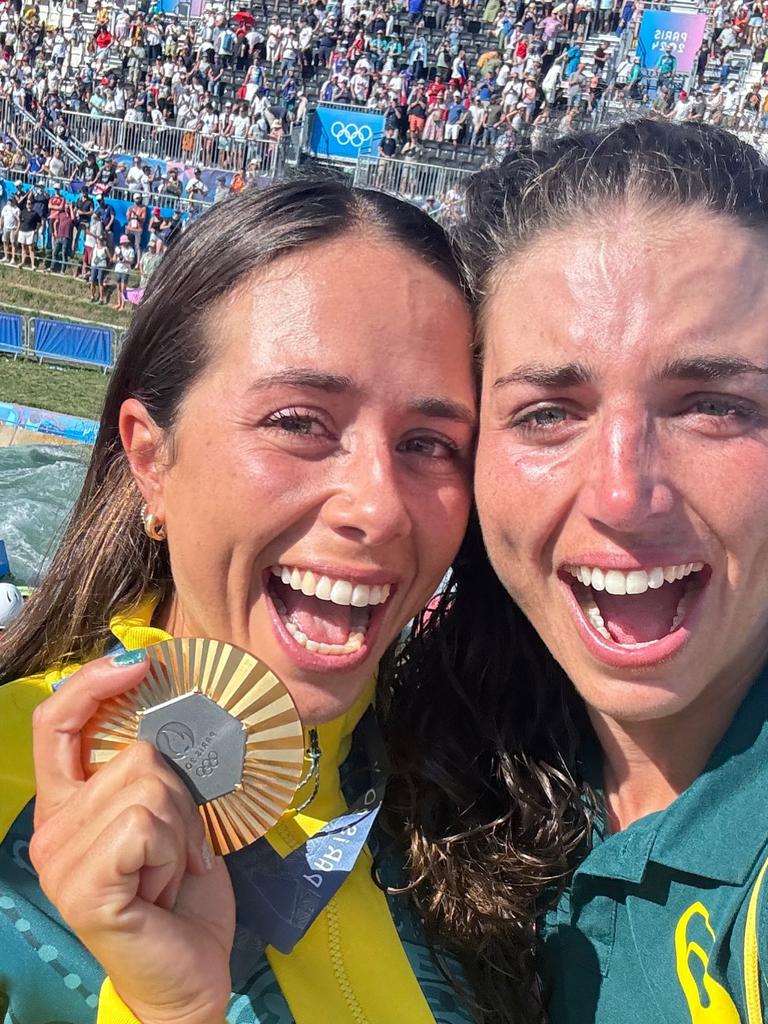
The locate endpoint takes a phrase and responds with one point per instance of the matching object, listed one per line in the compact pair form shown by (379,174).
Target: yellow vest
(329,976)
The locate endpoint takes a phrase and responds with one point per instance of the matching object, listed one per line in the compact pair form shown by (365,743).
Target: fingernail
(207,854)
(129,658)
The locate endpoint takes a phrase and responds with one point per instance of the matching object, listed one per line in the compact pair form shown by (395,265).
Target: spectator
(83,209)
(457,115)
(222,189)
(124,259)
(30,221)
(136,217)
(99,266)
(62,232)
(150,261)
(10,221)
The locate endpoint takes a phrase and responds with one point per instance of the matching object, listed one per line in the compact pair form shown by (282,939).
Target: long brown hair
(105,562)
(484,729)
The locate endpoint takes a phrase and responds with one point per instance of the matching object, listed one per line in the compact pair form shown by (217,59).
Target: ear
(143,444)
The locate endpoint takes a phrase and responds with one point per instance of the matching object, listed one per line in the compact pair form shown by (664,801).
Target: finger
(59,720)
(136,776)
(106,885)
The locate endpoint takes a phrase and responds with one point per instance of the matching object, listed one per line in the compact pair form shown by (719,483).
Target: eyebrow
(709,368)
(306,377)
(442,408)
(568,375)
(573,374)
(434,406)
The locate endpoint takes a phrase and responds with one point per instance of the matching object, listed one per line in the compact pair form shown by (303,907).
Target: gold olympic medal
(225,724)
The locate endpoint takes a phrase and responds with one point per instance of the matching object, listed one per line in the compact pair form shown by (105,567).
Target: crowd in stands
(448,76)
(248,77)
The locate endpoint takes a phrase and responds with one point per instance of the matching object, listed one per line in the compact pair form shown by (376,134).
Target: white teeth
(593,614)
(342,592)
(615,582)
(360,596)
(637,582)
(656,579)
(355,640)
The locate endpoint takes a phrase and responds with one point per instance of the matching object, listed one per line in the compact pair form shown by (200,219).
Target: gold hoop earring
(153,528)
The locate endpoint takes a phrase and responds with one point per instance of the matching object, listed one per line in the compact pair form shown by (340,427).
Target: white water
(38,486)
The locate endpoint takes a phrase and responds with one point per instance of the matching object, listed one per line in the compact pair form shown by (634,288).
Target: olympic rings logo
(351,134)
(208,765)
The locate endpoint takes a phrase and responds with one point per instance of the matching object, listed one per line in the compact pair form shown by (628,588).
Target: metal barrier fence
(25,346)
(413,181)
(29,132)
(178,145)
(121,192)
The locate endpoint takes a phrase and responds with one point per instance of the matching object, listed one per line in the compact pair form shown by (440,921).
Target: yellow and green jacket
(363,959)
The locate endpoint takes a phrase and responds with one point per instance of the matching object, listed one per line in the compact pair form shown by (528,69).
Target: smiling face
(623,455)
(320,479)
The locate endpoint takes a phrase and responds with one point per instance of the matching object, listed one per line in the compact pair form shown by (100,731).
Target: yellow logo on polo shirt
(713,1005)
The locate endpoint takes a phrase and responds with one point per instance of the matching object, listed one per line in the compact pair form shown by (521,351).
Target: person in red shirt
(62,226)
(56,204)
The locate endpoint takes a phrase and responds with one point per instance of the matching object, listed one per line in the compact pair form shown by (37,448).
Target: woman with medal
(618,788)
(283,465)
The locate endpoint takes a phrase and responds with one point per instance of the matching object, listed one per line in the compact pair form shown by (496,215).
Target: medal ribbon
(277,897)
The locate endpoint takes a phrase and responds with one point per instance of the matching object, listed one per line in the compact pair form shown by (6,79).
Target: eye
(541,419)
(297,422)
(546,416)
(430,446)
(723,415)
(722,406)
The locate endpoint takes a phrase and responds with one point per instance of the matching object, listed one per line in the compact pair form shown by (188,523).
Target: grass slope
(56,294)
(76,391)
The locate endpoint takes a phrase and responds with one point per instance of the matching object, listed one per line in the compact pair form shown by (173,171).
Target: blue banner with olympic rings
(345,132)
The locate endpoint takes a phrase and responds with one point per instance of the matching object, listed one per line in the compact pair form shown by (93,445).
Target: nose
(625,485)
(368,505)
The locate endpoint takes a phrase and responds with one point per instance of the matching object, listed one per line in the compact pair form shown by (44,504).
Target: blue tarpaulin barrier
(345,133)
(11,332)
(43,422)
(73,342)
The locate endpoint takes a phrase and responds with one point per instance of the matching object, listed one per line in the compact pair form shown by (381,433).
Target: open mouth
(640,608)
(326,617)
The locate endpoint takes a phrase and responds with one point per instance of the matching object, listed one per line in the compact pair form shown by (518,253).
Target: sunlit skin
(333,430)
(653,450)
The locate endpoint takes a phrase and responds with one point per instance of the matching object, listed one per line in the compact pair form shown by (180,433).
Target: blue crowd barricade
(73,343)
(11,333)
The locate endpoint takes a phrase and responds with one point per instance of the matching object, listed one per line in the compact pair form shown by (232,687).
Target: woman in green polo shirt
(622,491)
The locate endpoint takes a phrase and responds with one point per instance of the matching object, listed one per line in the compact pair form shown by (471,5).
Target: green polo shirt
(652,927)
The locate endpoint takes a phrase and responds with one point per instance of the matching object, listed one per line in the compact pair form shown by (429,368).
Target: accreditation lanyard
(278,898)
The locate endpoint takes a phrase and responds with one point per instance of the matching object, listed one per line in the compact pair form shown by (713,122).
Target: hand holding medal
(224,723)
(121,850)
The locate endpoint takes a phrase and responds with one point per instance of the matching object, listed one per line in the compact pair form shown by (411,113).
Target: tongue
(321,621)
(638,618)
